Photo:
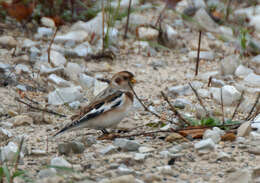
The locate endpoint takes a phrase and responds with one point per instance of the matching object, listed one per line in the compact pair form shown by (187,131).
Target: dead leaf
(228,137)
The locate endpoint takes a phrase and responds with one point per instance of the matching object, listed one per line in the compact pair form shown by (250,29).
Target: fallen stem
(39,109)
(238,104)
(200,100)
(49,48)
(146,108)
(253,107)
(176,112)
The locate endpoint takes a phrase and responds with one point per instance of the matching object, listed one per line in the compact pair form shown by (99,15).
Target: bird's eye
(125,78)
(118,80)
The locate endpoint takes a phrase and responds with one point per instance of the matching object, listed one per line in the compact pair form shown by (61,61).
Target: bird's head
(121,80)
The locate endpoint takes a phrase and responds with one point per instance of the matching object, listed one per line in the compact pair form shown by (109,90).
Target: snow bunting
(108,108)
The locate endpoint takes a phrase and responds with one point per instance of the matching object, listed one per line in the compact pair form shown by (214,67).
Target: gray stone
(65,95)
(4,134)
(108,150)
(176,149)
(254,136)
(73,70)
(59,161)
(74,105)
(222,156)
(125,144)
(43,31)
(64,148)
(8,153)
(244,129)
(180,90)
(46,70)
(204,93)
(27,43)
(229,65)
(147,33)
(89,141)
(240,176)
(124,170)
(165,170)
(77,36)
(205,55)
(213,135)
(21,68)
(77,147)
(139,156)
(252,80)
(242,71)
(217,82)
(200,112)
(83,50)
(49,172)
(205,76)
(144,149)
(86,81)
(57,59)
(8,41)
(58,80)
(181,103)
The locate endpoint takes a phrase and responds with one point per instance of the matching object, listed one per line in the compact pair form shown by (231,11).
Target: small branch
(238,104)
(222,106)
(200,100)
(39,109)
(176,112)
(127,20)
(146,108)
(253,107)
(49,48)
(209,82)
(198,55)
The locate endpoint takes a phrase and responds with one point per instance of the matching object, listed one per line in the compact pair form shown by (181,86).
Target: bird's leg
(105,132)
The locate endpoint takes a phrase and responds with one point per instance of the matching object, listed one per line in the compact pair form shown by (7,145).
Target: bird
(108,108)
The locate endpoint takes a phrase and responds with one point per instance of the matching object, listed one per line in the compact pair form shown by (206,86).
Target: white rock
(147,33)
(59,161)
(57,59)
(65,95)
(47,70)
(256,59)
(229,65)
(223,156)
(99,86)
(27,43)
(205,76)
(243,71)
(73,70)
(139,156)
(165,170)
(50,172)
(77,36)
(108,150)
(213,135)
(204,93)
(21,68)
(43,31)
(125,3)
(226,31)
(144,149)
(83,50)
(207,144)
(254,136)
(172,35)
(4,134)
(252,80)
(124,170)
(128,145)
(244,129)
(8,153)
(247,11)
(229,94)
(217,82)
(8,41)
(240,176)
(58,80)
(199,4)
(48,22)
(180,90)
(255,21)
(86,81)
(205,55)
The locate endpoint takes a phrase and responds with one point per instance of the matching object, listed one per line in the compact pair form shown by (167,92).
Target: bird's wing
(95,109)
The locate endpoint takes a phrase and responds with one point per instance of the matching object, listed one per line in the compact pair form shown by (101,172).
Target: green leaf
(18,173)
(1,173)
(6,173)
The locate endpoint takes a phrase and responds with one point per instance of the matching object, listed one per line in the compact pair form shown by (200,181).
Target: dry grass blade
(198,55)
(176,112)
(222,106)
(238,104)
(49,48)
(199,99)
(127,20)
(253,107)
(146,108)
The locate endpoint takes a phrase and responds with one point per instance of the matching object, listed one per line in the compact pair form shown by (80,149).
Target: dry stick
(176,112)
(200,100)
(209,82)
(40,109)
(238,104)
(252,109)
(49,48)
(198,54)
(160,15)
(222,106)
(146,108)
(103,27)
(127,20)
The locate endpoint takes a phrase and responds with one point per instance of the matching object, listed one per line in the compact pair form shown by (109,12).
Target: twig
(18,154)
(146,108)
(198,55)
(176,112)
(127,20)
(49,48)
(209,82)
(238,104)
(39,109)
(222,106)
(253,107)
(160,15)
(200,100)
(103,27)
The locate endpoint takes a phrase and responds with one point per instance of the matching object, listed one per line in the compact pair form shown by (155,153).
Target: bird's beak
(132,81)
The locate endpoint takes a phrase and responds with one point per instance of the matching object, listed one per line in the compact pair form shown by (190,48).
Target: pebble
(165,170)
(73,70)
(65,95)
(58,80)
(252,80)
(8,153)
(139,156)
(244,129)
(61,162)
(77,36)
(180,90)
(48,22)
(243,71)
(57,59)
(124,170)
(77,147)
(214,134)
(108,150)
(121,179)
(229,64)
(147,33)
(181,103)
(240,176)
(207,144)
(144,149)
(49,172)
(205,55)
(8,41)
(4,134)
(43,31)
(127,145)
(83,50)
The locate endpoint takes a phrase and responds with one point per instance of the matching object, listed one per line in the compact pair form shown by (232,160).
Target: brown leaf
(228,137)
